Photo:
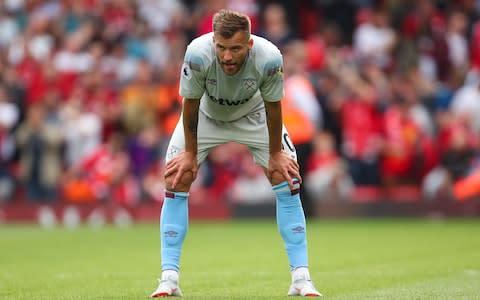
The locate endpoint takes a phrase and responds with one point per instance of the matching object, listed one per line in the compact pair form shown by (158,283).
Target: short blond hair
(226,23)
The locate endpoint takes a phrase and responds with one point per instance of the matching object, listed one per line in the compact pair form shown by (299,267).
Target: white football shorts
(250,130)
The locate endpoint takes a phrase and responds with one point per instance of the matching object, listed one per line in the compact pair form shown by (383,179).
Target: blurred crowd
(378,93)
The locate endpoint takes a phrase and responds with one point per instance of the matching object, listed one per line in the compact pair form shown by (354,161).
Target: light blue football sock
(291,224)
(173,228)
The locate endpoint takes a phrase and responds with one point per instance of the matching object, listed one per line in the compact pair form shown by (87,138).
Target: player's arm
(279,160)
(281,166)
(186,161)
(182,169)
(274,123)
(190,124)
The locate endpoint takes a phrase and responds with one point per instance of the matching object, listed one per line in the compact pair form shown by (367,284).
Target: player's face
(232,52)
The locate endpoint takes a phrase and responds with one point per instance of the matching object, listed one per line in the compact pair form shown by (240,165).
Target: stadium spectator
(405,158)
(9,28)
(355,102)
(457,40)
(100,99)
(207,9)
(103,176)
(169,101)
(457,173)
(139,100)
(374,38)
(144,150)
(275,25)
(9,116)
(327,178)
(83,128)
(40,142)
(466,105)
(74,58)
(161,15)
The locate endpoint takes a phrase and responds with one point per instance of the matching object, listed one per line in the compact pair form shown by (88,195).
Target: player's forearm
(274,123)
(190,123)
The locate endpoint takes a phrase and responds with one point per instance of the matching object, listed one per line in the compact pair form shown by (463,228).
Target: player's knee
(275,177)
(173,234)
(183,184)
(293,234)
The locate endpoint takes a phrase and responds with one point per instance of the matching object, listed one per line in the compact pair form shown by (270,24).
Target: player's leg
(173,222)
(174,214)
(290,221)
(292,227)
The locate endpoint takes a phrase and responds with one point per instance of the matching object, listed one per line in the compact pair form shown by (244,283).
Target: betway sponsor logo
(227,102)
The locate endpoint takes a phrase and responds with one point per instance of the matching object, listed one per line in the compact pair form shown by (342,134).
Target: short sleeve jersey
(230,97)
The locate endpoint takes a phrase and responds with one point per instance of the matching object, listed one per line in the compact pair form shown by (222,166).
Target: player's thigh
(258,143)
(209,135)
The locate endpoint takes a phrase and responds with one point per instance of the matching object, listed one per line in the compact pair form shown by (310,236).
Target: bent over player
(232,84)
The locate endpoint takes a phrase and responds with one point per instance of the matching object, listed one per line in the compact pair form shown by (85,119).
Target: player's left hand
(281,162)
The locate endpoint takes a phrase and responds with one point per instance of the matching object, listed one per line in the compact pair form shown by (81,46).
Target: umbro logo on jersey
(212,81)
(250,84)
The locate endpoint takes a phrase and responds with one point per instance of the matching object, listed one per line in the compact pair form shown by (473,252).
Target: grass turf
(349,259)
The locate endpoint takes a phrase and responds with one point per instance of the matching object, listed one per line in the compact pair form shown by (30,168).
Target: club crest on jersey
(186,71)
(250,84)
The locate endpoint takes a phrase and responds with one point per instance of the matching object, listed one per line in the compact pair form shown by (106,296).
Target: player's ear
(250,43)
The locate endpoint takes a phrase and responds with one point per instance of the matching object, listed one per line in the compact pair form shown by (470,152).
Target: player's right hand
(178,166)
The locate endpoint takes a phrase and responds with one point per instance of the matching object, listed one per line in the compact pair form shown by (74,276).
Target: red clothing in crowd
(361,128)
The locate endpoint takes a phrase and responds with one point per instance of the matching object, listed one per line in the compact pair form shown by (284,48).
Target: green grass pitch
(349,259)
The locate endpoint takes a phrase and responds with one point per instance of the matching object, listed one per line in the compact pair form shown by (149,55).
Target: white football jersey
(230,97)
